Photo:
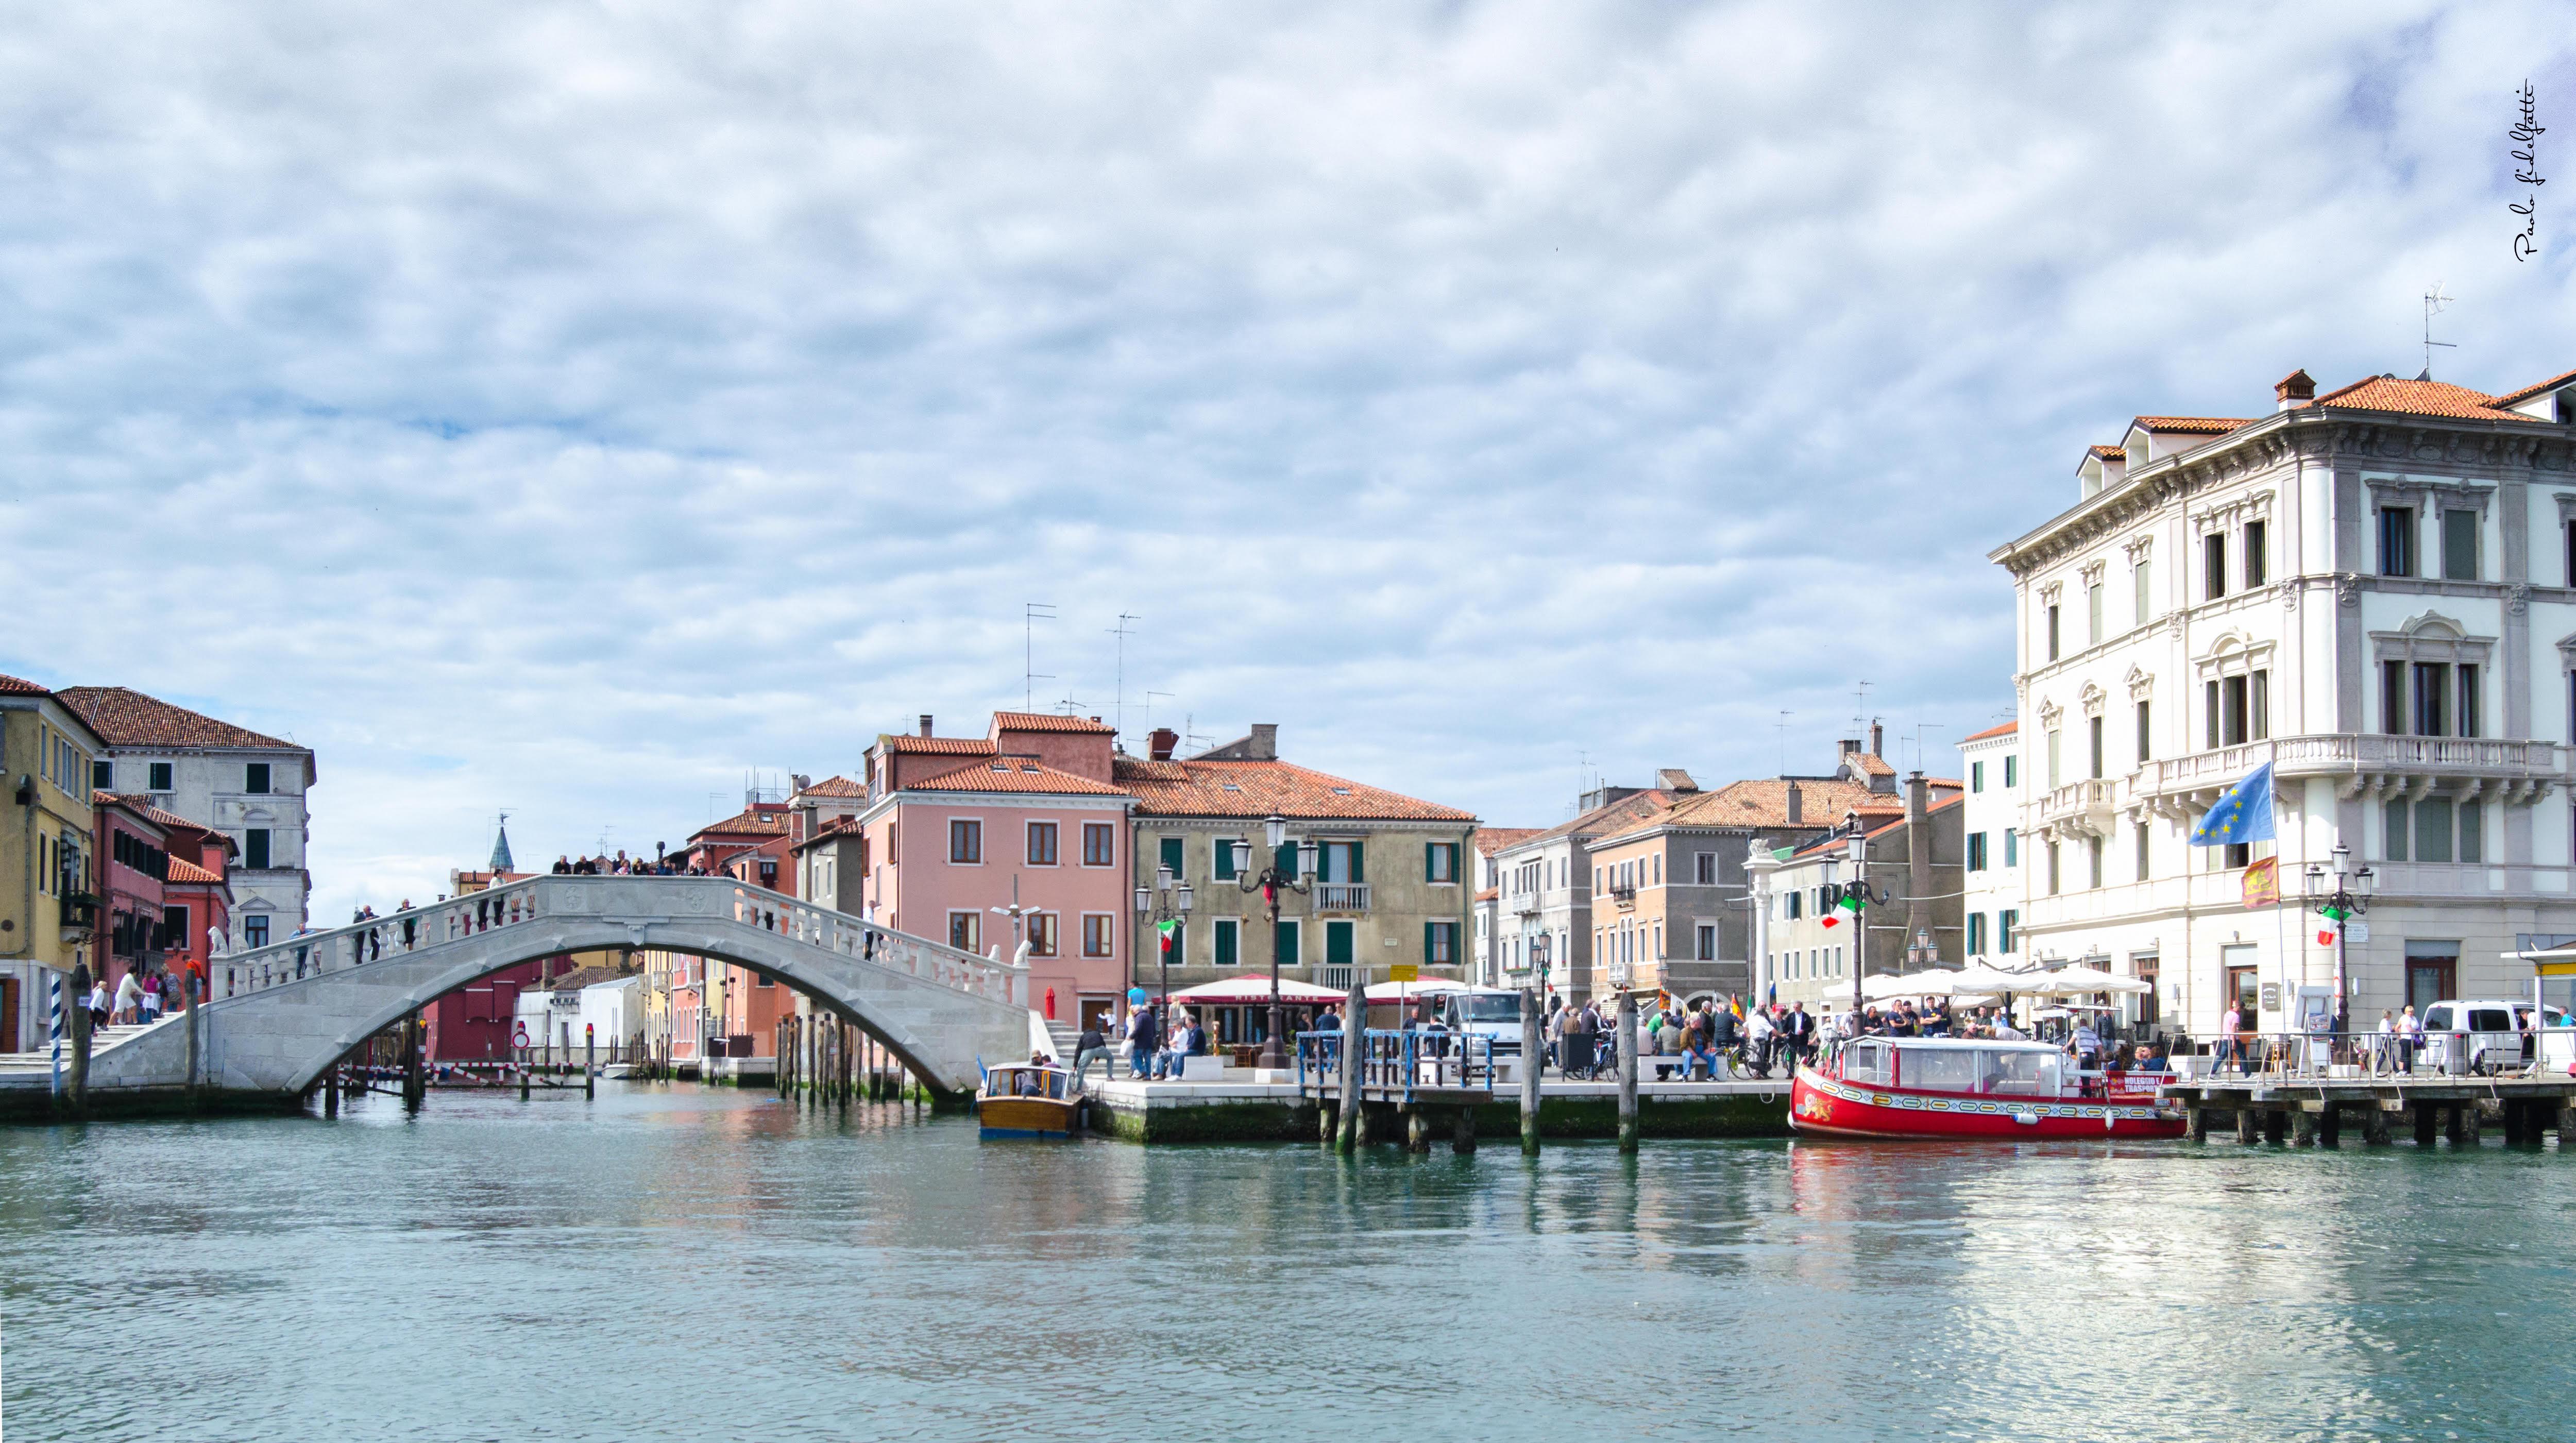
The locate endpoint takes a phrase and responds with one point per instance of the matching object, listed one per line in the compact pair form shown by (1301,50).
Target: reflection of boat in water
(1023,1100)
(1971,1088)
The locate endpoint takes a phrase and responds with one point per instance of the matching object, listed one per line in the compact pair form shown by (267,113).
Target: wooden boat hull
(1029,1116)
(1829,1107)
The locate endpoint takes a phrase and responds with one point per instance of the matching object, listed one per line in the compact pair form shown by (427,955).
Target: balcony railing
(1624,895)
(2521,766)
(1334,975)
(2084,806)
(1341,896)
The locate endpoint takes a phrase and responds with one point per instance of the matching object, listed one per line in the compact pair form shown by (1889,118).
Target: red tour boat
(1970,1087)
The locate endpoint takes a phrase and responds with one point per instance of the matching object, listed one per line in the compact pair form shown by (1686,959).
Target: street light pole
(1168,900)
(2337,906)
(1270,883)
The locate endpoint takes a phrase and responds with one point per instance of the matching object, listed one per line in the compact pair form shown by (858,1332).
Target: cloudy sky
(576,408)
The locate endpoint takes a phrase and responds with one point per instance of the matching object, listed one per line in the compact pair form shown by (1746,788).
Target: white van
(1488,1012)
(2480,1034)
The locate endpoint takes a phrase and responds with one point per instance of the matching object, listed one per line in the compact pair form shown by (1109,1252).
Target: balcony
(1625,896)
(2511,772)
(1341,896)
(2080,809)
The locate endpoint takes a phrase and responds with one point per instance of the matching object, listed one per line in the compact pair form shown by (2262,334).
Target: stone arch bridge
(281,1015)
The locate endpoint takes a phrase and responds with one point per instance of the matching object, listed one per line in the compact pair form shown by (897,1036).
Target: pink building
(1019,836)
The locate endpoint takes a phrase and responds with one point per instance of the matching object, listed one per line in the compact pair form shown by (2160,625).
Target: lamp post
(1270,883)
(1856,850)
(1168,900)
(2336,905)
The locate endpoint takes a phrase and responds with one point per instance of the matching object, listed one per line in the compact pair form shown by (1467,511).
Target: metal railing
(2328,1056)
(678,899)
(1341,896)
(1400,1061)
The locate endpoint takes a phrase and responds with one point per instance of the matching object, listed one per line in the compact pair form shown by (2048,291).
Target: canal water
(671,1260)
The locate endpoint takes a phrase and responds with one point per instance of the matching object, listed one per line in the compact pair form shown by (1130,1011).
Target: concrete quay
(1251,1110)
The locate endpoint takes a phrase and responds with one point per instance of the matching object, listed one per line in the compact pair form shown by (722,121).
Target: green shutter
(1284,937)
(1223,864)
(1287,860)
(1431,861)
(1426,940)
(1226,938)
(1359,864)
(1172,857)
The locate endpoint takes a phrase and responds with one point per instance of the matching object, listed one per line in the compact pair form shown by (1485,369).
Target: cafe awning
(1243,991)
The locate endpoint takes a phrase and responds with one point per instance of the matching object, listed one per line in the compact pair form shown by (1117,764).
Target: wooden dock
(2312,1111)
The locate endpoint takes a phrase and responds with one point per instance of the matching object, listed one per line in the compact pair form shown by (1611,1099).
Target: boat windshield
(2021,1073)
(1936,1069)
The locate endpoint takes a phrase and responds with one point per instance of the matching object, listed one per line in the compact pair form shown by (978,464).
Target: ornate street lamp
(1270,883)
(2337,904)
(1168,900)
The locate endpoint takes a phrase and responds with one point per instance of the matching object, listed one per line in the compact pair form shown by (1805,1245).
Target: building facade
(1485,954)
(1993,895)
(2372,590)
(248,786)
(1816,948)
(48,873)
(1392,885)
(1544,912)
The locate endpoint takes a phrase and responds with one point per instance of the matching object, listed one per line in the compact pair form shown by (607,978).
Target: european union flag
(2243,813)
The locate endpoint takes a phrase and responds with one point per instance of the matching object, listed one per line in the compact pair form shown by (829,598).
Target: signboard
(1403,972)
(2271,997)
(2356,932)
(2263,883)
(519,1035)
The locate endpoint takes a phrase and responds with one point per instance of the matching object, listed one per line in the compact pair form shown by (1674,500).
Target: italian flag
(1169,931)
(1850,901)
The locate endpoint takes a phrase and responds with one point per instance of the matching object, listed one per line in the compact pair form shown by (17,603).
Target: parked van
(2481,1034)
(1489,1012)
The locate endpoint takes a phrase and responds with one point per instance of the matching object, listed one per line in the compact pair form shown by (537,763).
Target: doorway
(2244,985)
(2432,973)
(8,1014)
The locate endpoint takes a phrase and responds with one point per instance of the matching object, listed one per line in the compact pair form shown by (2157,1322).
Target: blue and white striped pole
(55,983)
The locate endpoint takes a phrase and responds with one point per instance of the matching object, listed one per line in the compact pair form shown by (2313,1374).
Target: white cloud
(572,407)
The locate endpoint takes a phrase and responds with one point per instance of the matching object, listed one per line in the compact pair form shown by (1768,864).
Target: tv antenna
(1149,709)
(1119,702)
(1783,725)
(2434,304)
(1860,710)
(1031,613)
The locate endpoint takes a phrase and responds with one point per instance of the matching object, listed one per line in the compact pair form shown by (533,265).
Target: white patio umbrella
(1977,977)
(1931,982)
(2083,981)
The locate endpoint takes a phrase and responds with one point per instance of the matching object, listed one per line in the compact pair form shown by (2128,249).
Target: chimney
(925,723)
(1797,806)
(1918,855)
(1674,779)
(2295,389)
(1265,741)
(1850,746)
(1877,738)
(1159,743)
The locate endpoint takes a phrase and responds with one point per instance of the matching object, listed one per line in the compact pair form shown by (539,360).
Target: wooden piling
(523,1074)
(2303,1128)
(79,1018)
(2427,1121)
(1533,1059)
(1627,1070)
(1463,1140)
(1354,1040)
(2457,1122)
(331,1090)
(2249,1126)
(2330,1126)
(2276,1125)
(589,1064)
(196,1065)
(415,1086)
(1417,1130)
(2196,1121)
(2374,1126)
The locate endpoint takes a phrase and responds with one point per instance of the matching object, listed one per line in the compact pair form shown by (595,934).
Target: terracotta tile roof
(19,686)
(1034,721)
(1256,789)
(127,718)
(1828,844)
(183,870)
(1490,894)
(1953,783)
(142,804)
(834,787)
(2194,425)
(1764,802)
(1490,840)
(1602,818)
(2106,453)
(1011,775)
(746,824)
(832,831)
(2003,730)
(581,977)
(1872,764)
(2418,398)
(2516,398)
(949,746)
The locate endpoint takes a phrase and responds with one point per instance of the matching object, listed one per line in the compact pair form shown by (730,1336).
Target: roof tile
(1012,775)
(19,686)
(2003,730)
(1257,789)
(1035,721)
(126,718)
(2418,398)
(2516,398)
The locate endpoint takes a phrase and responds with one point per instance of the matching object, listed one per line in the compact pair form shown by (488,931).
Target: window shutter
(1283,936)
(1287,860)
(1359,864)
(1225,944)
(1171,852)
(1426,940)
(1431,861)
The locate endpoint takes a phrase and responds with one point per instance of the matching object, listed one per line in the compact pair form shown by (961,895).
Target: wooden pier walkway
(2312,1111)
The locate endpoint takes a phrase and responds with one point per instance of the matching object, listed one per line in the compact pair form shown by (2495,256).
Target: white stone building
(1993,896)
(248,786)
(2374,590)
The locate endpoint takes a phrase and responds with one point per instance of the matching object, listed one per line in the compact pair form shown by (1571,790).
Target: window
(2012,771)
(1096,931)
(2052,633)
(2473,830)
(2468,708)
(2396,540)
(254,931)
(2253,554)
(2239,709)
(966,842)
(1976,934)
(2052,761)
(1222,863)
(255,849)
(2012,848)
(2432,703)
(2052,869)
(2142,851)
(1705,949)
(1042,844)
(2146,735)
(1284,937)
(2093,614)
(2459,546)
(102,776)
(1229,941)
(1976,851)
(2392,697)
(255,779)
(1439,862)
(2139,583)
(1173,857)
(2093,854)
(2007,925)
(2392,830)
(2433,829)
(161,776)
(1099,844)
(1704,869)
(966,931)
(1659,869)
(2570,529)
(2143,967)
(2093,738)
(1977,770)
(2213,567)
(174,927)
(1794,899)
(1043,940)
